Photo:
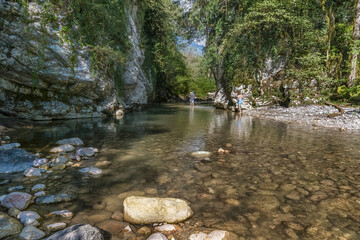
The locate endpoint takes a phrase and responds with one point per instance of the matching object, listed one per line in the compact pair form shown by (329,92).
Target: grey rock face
(221,99)
(78,232)
(15,160)
(137,86)
(40,65)
(9,226)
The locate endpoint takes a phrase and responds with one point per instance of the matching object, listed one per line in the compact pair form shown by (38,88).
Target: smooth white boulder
(146,210)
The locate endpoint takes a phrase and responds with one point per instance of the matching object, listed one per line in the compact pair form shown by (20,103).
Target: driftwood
(332,115)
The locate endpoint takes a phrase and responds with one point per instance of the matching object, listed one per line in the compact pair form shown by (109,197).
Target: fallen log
(332,115)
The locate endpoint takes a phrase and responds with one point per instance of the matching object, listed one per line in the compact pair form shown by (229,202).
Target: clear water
(279,181)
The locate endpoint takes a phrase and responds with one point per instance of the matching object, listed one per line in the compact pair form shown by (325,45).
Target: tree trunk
(355,48)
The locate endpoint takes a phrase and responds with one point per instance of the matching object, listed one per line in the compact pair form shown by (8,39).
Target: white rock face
(220,99)
(145,210)
(157,236)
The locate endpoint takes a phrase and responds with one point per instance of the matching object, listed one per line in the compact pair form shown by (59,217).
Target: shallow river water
(279,181)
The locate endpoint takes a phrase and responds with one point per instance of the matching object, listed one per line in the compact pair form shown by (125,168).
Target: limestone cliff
(44,76)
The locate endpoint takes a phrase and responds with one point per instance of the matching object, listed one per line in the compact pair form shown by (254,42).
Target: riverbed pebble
(157,236)
(13,212)
(31,233)
(32,172)
(86,152)
(17,200)
(38,187)
(62,213)
(29,218)
(39,194)
(56,226)
(9,226)
(62,148)
(80,231)
(72,141)
(39,162)
(15,188)
(48,199)
(91,170)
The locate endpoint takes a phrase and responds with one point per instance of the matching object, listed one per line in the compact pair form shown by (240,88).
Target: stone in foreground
(78,232)
(157,236)
(62,213)
(145,210)
(201,154)
(15,160)
(31,233)
(72,141)
(9,226)
(17,200)
(56,226)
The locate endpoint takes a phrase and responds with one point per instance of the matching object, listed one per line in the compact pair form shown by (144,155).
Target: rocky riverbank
(27,207)
(312,115)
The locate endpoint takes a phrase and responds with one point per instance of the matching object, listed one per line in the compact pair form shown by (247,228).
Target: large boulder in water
(17,200)
(78,232)
(145,210)
(15,160)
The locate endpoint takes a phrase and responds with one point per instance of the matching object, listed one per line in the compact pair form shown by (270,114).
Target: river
(279,181)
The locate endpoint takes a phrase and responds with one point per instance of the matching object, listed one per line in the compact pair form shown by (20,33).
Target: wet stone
(40,162)
(32,172)
(15,160)
(91,170)
(29,218)
(13,212)
(112,226)
(39,194)
(62,213)
(38,187)
(9,226)
(56,226)
(157,236)
(144,231)
(54,199)
(117,215)
(62,148)
(31,233)
(15,188)
(9,146)
(72,141)
(293,195)
(86,152)
(80,231)
(17,200)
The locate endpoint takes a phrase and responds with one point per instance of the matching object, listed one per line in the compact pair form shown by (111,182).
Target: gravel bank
(313,115)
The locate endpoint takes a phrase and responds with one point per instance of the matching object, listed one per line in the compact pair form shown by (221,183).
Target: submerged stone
(91,170)
(145,210)
(32,172)
(62,148)
(39,162)
(38,187)
(31,233)
(54,199)
(72,141)
(86,152)
(15,160)
(9,146)
(62,213)
(78,232)
(9,226)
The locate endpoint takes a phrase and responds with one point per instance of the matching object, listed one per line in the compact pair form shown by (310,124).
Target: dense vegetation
(308,39)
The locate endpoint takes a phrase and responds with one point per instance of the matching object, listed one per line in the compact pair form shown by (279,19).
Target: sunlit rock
(145,210)
(91,170)
(62,213)
(56,226)
(157,236)
(32,172)
(201,154)
(80,231)
(62,148)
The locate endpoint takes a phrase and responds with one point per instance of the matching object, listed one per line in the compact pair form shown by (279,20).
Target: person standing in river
(240,98)
(192,98)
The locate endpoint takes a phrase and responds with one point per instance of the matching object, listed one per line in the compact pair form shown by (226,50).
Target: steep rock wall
(44,76)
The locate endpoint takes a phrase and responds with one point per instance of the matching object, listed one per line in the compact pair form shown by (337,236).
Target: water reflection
(280,181)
